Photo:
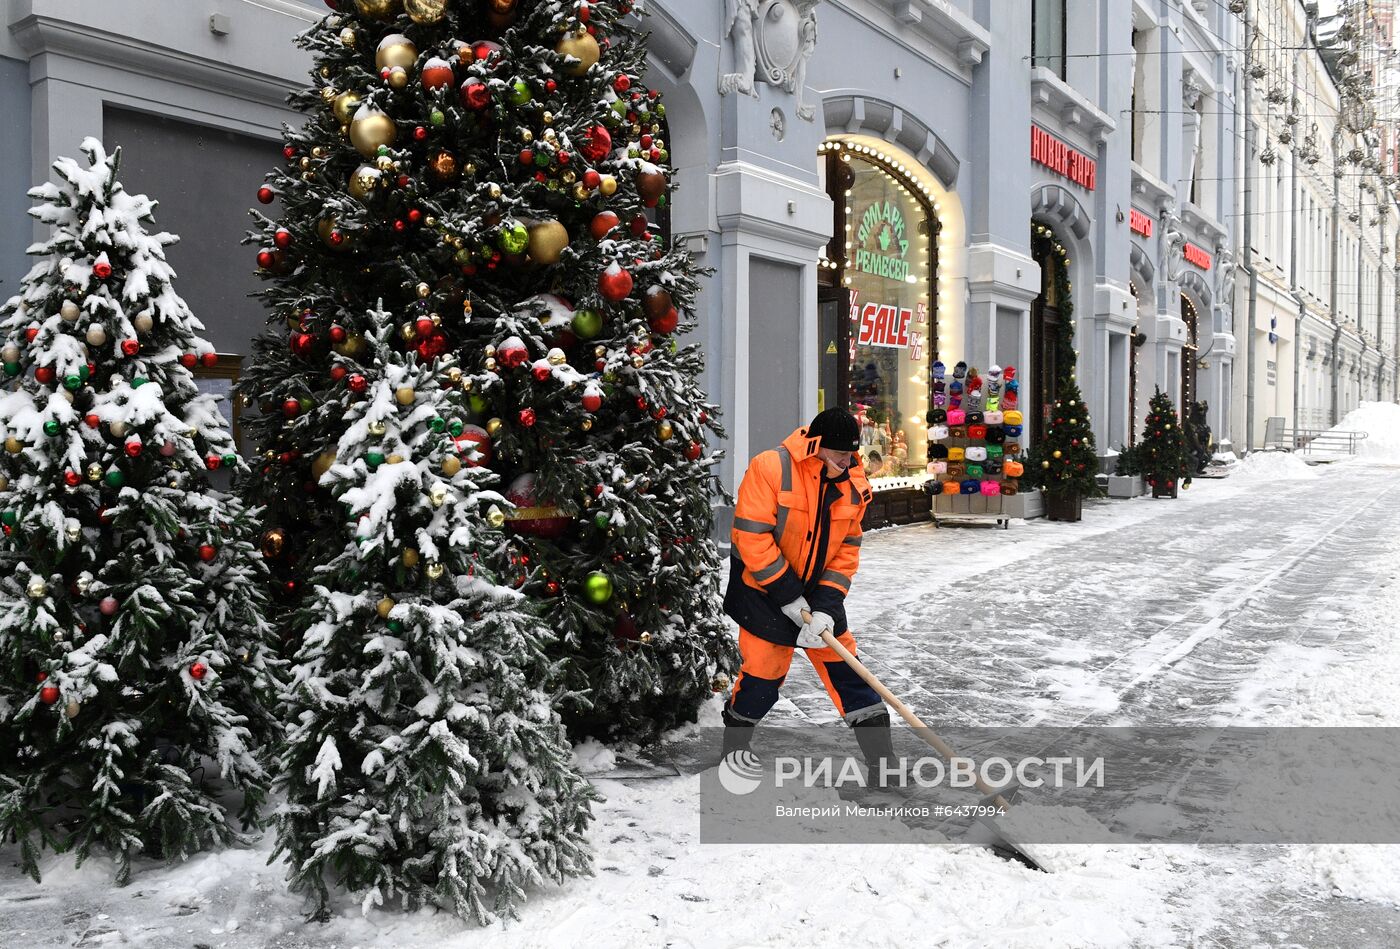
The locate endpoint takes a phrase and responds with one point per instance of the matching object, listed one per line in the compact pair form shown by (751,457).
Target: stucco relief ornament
(1173,245)
(773,42)
(1226,266)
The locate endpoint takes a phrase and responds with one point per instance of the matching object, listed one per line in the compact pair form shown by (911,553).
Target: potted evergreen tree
(1163,450)
(1064,463)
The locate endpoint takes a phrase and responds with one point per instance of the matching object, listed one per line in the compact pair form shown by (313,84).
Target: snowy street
(1267,598)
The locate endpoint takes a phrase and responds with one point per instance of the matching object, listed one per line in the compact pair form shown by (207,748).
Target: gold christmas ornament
(398,78)
(69,311)
(72,530)
(607,185)
(322,464)
(580,192)
(494,192)
(454,375)
(395,50)
(443,166)
(370,129)
(383,607)
(349,37)
(491,364)
(94,472)
(395,459)
(96,335)
(451,465)
(527,136)
(4,483)
(117,428)
(409,557)
(425,11)
(37,589)
(325,228)
(556,357)
(363,181)
(353,347)
(494,426)
(83,583)
(72,709)
(377,429)
(384,163)
(638,361)
(644,638)
(547,241)
(586,425)
(405,395)
(437,495)
(495,516)
(378,9)
(435,571)
(423,290)
(408,331)
(664,430)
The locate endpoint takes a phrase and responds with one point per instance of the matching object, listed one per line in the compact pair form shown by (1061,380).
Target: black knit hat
(837,429)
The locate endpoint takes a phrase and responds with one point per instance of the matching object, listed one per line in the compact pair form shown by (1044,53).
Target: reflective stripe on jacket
(795,534)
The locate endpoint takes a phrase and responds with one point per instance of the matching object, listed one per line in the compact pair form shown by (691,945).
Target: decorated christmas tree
(423,764)
(1064,463)
(136,678)
(490,170)
(1162,451)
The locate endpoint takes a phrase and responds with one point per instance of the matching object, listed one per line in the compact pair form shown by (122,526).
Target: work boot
(873,736)
(737,733)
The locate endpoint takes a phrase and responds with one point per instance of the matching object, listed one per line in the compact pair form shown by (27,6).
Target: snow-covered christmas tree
(423,765)
(136,679)
(490,170)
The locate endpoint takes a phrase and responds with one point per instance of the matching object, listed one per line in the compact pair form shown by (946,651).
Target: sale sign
(885,325)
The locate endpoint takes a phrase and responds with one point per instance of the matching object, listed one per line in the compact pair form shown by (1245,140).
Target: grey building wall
(15,234)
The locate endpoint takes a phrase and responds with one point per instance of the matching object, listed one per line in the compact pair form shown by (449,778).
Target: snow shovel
(1001,844)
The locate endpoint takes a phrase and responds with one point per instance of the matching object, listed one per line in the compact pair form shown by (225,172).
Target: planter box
(896,506)
(1024,504)
(1064,507)
(1162,491)
(1125,486)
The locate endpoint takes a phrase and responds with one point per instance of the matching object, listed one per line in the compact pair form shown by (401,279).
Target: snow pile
(1381,423)
(1274,466)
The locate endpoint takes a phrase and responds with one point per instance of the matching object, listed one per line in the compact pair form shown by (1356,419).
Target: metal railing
(1309,441)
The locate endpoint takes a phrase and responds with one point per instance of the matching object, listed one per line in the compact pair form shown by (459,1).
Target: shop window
(1188,355)
(1052,314)
(876,331)
(1048,35)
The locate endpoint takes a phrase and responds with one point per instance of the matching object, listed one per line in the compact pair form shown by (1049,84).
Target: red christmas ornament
(591,179)
(550,85)
(302,344)
(289,151)
(527,156)
(414,216)
(563,158)
(209,359)
(212,462)
(92,420)
(666,323)
(641,403)
(623,82)
(207,552)
(475,94)
(474,445)
(358,383)
(603,224)
(592,401)
(527,417)
(541,370)
(48,694)
(283,238)
(132,447)
(659,412)
(640,225)
(72,478)
(553,588)
(436,74)
(102,269)
(266,259)
(189,360)
(338,373)
(423,326)
(44,375)
(265,195)
(615,284)
(692,451)
(597,142)
(485,49)
(198,670)
(337,333)
(583,13)
(130,347)
(512,353)
(30,332)
(291,408)
(432,347)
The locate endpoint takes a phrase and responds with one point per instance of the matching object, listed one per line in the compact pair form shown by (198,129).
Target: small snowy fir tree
(422,764)
(136,677)
(1163,452)
(1064,462)
(496,171)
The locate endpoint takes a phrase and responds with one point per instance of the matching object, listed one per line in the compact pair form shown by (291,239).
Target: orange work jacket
(795,534)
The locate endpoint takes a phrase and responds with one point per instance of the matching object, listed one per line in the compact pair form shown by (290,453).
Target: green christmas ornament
(456,428)
(115,478)
(9,518)
(542,159)
(395,626)
(11,368)
(601,520)
(597,586)
(230,460)
(72,382)
(52,428)
(587,324)
(84,372)
(514,238)
(374,459)
(520,93)
(439,425)
(138,381)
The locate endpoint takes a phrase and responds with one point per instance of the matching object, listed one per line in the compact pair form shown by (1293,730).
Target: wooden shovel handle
(924,732)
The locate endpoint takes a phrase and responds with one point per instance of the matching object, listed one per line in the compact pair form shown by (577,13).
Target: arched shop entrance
(876,332)
(1190,315)
(1052,326)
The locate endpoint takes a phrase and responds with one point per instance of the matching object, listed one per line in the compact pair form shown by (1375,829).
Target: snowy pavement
(1270,598)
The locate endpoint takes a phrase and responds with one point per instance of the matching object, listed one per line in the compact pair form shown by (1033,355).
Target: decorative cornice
(940,22)
(1057,97)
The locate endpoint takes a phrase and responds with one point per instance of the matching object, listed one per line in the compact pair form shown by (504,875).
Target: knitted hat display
(957,431)
(937,432)
(975,418)
(939,399)
(1009,373)
(950,487)
(973,401)
(976,471)
(991,488)
(1009,401)
(1012,431)
(992,467)
(957,470)
(992,417)
(956,454)
(939,369)
(937,467)
(957,417)
(970,486)
(994,371)
(995,451)
(977,432)
(960,370)
(993,402)
(1013,386)
(955,387)
(1013,448)
(1011,418)
(940,386)
(975,453)
(1013,469)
